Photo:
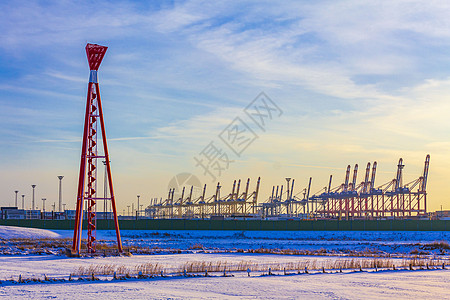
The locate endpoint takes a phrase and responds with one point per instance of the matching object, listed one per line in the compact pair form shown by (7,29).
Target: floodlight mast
(87,183)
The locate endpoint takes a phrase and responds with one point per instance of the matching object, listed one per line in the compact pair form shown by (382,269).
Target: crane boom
(347,177)
(355,174)
(423,186)
(366,178)
(329,183)
(398,179)
(372,179)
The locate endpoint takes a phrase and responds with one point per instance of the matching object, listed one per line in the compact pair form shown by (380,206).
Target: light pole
(138,196)
(23,201)
(43,204)
(32,201)
(16,197)
(128,209)
(287,180)
(60,192)
(105,191)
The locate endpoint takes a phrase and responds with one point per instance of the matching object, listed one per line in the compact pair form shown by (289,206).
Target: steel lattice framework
(351,200)
(234,204)
(87,184)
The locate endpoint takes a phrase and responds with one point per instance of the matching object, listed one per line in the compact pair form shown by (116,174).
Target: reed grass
(221,266)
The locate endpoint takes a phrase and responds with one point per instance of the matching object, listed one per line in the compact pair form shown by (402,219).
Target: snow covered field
(32,266)
(433,284)
(339,241)
(12,232)
(380,283)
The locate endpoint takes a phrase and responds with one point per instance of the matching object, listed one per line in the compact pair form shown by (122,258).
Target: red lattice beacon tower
(87,184)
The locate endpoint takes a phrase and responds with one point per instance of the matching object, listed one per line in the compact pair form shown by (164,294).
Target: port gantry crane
(348,200)
(287,205)
(235,204)
(390,200)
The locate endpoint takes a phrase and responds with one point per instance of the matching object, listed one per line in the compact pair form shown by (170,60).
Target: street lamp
(16,197)
(128,209)
(23,201)
(32,201)
(138,196)
(60,192)
(43,204)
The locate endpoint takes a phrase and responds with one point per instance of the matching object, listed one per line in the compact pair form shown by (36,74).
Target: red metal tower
(87,183)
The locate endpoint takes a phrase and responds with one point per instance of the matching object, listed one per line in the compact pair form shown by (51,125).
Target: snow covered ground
(382,283)
(332,241)
(433,284)
(12,232)
(338,241)
(60,266)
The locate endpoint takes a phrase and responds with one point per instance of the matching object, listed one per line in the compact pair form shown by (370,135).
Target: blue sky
(357,81)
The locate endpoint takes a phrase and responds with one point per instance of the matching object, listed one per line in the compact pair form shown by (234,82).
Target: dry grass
(317,252)
(442,245)
(47,246)
(196,247)
(418,252)
(149,269)
(110,269)
(221,266)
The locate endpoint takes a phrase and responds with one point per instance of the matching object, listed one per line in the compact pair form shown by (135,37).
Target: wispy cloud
(357,81)
(59,75)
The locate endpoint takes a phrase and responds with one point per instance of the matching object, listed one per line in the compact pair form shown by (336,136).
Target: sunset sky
(354,81)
